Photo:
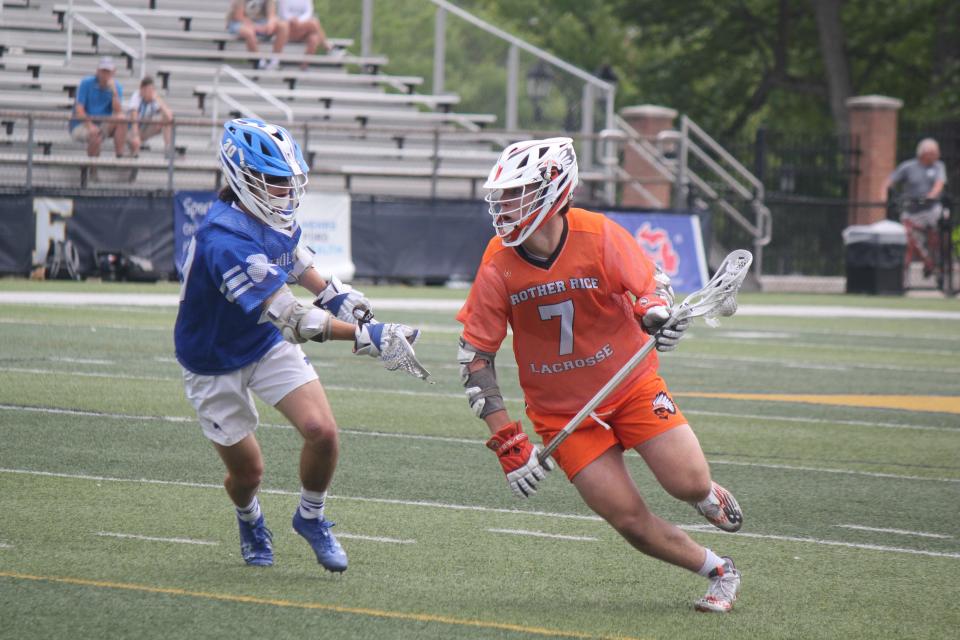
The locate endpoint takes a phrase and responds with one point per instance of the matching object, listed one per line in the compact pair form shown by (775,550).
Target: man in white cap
(921,181)
(97,113)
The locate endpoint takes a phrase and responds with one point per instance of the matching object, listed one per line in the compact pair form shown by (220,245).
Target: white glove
(371,338)
(654,310)
(393,344)
(519,459)
(668,337)
(344,302)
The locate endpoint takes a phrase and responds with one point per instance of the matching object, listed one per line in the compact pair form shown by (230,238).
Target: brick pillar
(873,125)
(648,120)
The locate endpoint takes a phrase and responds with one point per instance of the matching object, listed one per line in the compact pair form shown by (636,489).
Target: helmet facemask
(272,198)
(516,210)
(264,167)
(532,182)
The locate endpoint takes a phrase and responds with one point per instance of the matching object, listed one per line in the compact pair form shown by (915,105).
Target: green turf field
(115,525)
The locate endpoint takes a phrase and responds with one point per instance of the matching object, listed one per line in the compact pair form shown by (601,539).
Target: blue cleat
(317,532)
(256,543)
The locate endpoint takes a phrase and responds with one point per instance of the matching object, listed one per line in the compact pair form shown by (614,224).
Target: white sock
(709,500)
(251,512)
(711,562)
(311,504)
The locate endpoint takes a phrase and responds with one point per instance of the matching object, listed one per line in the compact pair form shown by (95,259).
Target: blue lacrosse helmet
(263,165)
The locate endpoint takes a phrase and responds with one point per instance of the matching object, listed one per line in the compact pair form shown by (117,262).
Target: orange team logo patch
(663,406)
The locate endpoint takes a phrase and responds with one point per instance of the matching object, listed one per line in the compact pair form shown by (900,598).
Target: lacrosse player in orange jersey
(581,298)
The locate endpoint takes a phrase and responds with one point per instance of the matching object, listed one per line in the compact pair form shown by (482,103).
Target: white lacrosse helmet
(530,183)
(263,165)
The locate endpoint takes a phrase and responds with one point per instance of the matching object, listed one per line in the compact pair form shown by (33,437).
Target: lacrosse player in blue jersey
(239,330)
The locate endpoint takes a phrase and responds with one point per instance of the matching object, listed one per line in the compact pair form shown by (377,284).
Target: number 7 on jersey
(565,311)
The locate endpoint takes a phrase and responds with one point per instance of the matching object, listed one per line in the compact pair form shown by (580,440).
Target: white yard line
(55,298)
(93,414)
(459,396)
(807,346)
(826,421)
(459,507)
(4,545)
(86,374)
(701,360)
(132,536)
(902,532)
(541,534)
(479,442)
(870,474)
(355,536)
(706,528)
(81,360)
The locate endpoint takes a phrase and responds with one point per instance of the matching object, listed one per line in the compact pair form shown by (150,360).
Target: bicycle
(929,231)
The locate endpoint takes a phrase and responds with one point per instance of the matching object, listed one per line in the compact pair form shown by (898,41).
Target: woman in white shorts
(239,329)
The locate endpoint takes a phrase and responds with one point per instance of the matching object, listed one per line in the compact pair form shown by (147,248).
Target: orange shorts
(646,410)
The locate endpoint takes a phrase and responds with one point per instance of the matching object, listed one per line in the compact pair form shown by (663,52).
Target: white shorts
(925,217)
(224,403)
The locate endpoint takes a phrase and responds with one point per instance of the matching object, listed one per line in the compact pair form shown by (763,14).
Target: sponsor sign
(673,241)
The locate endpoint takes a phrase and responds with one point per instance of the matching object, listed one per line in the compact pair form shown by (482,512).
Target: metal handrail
(691,139)
(522,44)
(219,95)
(72,15)
(724,154)
(591,82)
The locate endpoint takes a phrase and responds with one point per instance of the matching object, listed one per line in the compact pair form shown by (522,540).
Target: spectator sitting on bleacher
(304,27)
(149,115)
(253,19)
(99,95)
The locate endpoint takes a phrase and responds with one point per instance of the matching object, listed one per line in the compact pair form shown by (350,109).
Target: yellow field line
(938,404)
(317,606)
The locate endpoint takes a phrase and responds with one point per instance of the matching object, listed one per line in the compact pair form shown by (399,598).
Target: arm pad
(302,260)
(482,390)
(297,322)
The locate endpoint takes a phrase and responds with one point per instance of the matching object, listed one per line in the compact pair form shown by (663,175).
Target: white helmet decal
(530,183)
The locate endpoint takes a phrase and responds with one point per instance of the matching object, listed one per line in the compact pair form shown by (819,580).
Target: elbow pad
(297,322)
(482,390)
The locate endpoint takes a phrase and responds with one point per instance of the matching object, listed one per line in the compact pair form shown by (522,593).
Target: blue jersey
(233,264)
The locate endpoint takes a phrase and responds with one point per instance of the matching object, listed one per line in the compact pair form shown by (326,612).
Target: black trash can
(874,256)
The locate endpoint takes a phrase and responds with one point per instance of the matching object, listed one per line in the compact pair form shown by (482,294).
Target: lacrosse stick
(718,298)
(396,353)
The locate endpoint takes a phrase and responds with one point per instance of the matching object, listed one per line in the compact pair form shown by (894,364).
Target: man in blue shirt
(98,97)
(239,330)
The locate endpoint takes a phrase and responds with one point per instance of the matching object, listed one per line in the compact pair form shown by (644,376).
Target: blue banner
(189,210)
(671,240)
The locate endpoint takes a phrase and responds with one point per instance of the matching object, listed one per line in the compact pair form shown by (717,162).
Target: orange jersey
(572,315)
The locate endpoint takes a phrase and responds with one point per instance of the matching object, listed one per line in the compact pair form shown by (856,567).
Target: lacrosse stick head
(718,298)
(396,352)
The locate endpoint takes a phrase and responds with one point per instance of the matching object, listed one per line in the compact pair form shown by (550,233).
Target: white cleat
(723,590)
(721,509)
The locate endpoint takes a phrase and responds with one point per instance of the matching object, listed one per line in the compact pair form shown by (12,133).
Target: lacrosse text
(578,363)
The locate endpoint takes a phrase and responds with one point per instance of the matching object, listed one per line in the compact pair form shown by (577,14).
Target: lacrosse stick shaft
(601,395)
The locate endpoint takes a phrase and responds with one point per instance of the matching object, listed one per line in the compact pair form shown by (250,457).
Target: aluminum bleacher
(360,126)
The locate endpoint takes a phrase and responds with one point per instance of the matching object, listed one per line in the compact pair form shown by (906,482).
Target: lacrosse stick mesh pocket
(398,354)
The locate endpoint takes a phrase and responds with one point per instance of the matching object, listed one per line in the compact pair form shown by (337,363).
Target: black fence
(806,179)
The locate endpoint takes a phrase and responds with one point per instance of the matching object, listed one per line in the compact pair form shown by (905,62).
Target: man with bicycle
(921,182)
